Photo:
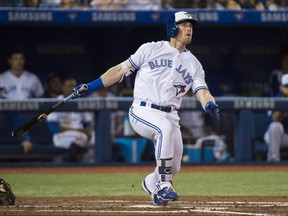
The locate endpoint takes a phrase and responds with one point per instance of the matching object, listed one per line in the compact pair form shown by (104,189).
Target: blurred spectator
(50,3)
(65,4)
(108,4)
(143,5)
(276,75)
(53,85)
(275,5)
(222,3)
(214,4)
(196,129)
(233,5)
(31,3)
(271,5)
(117,117)
(102,93)
(166,4)
(69,4)
(193,124)
(252,4)
(71,130)
(20,84)
(276,136)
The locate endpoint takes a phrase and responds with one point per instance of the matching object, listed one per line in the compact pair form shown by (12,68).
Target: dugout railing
(249,125)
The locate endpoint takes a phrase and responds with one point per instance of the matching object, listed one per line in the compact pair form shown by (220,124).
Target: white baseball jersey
(164,75)
(25,86)
(73,120)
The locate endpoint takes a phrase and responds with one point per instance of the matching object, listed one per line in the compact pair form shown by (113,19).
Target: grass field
(268,183)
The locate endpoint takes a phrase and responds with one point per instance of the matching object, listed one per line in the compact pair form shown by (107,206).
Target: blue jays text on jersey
(157,63)
(185,74)
(160,63)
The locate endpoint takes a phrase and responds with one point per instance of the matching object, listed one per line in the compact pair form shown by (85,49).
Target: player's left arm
(208,102)
(204,96)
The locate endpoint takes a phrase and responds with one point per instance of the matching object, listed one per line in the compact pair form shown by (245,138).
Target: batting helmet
(172,28)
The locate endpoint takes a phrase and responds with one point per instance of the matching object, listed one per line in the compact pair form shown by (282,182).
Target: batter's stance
(166,70)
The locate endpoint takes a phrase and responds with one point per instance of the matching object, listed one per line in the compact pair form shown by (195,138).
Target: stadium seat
(131,149)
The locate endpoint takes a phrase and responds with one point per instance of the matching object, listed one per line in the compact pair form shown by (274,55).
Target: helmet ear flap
(174,31)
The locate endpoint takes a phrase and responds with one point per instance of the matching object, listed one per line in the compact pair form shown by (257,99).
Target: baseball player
(276,136)
(275,76)
(166,70)
(71,130)
(20,84)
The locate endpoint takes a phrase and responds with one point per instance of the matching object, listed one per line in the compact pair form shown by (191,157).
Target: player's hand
(212,109)
(27,146)
(78,92)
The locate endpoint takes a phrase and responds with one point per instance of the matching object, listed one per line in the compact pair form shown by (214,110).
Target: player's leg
(273,137)
(149,183)
(155,125)
(168,168)
(178,152)
(73,141)
(145,122)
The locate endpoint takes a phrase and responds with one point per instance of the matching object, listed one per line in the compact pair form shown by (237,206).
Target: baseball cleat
(156,201)
(164,195)
(159,202)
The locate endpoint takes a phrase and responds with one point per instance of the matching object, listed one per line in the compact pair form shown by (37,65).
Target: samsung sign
(114,17)
(254,104)
(274,17)
(30,16)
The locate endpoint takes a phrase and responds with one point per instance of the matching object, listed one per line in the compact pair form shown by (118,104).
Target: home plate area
(140,206)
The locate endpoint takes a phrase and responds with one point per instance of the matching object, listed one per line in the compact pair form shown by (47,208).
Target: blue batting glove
(212,109)
(77,93)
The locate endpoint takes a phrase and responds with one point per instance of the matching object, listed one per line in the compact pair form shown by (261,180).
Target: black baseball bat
(37,119)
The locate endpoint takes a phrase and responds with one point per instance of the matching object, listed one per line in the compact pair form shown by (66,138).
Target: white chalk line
(260,204)
(218,210)
(145,211)
(182,204)
(227,212)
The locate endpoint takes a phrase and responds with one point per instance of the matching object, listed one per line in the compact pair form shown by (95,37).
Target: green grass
(129,184)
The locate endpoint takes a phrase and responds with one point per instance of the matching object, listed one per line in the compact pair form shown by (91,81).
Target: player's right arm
(111,76)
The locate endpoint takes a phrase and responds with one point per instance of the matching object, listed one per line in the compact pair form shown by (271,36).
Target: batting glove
(77,93)
(212,109)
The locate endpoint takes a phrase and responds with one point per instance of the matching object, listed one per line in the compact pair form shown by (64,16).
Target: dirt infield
(140,205)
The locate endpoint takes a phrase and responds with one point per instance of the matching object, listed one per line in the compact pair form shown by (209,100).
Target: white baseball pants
(163,128)
(275,137)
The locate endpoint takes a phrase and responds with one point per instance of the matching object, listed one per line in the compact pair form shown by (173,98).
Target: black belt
(161,108)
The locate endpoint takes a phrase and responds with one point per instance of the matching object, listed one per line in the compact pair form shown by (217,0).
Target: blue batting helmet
(172,28)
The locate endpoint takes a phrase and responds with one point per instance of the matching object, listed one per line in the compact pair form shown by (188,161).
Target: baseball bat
(37,119)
